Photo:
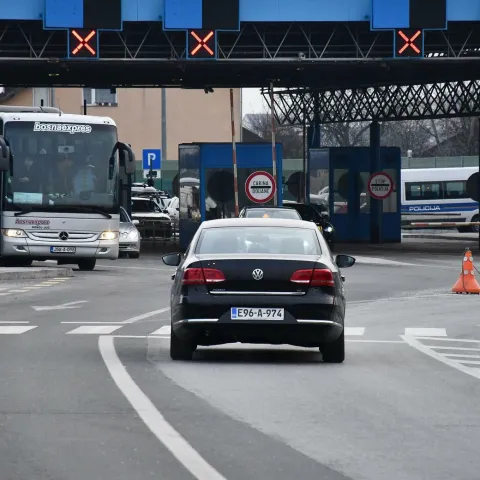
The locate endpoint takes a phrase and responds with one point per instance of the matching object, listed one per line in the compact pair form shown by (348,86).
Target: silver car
(129,236)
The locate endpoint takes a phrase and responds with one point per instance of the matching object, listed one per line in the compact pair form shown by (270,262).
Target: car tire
(134,255)
(180,349)
(334,352)
(87,264)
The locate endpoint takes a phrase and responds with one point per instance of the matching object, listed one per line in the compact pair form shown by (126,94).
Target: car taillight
(202,276)
(302,276)
(315,278)
(322,277)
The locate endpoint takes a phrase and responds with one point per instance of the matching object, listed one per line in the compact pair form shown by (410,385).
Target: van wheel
(334,352)
(87,264)
(475,228)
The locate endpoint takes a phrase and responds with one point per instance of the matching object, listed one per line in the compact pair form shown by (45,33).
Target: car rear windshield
(255,240)
(272,213)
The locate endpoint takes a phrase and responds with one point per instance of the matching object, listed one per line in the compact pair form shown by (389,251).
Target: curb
(33,273)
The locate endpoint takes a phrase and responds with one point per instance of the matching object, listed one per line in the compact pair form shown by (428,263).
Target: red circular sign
(380,185)
(260,187)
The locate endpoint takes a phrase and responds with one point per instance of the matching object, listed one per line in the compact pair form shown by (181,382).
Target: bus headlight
(14,233)
(109,235)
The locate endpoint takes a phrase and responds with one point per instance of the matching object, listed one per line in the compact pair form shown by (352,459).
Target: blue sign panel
(419,14)
(152,159)
(202,14)
(60,14)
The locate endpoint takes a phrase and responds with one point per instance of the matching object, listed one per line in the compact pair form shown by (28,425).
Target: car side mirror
(136,222)
(172,259)
(345,261)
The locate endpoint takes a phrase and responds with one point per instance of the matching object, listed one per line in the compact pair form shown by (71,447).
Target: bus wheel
(87,264)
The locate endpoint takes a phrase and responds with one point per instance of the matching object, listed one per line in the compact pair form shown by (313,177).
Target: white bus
(59,187)
(438,195)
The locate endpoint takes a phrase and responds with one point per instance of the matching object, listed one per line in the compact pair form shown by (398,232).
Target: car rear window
(258,240)
(272,213)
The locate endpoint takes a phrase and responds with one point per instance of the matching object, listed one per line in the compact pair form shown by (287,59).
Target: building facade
(191,116)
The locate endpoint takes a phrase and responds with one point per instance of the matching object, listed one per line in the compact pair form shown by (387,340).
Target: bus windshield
(61,167)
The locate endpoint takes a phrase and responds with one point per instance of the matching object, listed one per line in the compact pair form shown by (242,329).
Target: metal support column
(376,206)
(314,141)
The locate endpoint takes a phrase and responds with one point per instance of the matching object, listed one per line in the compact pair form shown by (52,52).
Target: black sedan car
(258,281)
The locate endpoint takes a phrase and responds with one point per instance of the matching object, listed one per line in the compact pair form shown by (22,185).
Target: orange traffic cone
(467,283)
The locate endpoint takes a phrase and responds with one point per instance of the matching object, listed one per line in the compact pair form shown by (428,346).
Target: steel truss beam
(382,103)
(267,41)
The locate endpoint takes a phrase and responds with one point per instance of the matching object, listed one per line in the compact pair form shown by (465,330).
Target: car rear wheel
(334,352)
(180,349)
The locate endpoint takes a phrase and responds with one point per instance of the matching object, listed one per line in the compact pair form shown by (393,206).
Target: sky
(252,101)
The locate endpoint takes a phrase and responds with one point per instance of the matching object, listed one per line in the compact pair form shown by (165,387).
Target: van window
(423,191)
(455,189)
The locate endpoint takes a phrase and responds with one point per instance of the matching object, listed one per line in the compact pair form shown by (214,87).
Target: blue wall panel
(304,10)
(463,10)
(390,14)
(22,10)
(63,14)
(150,10)
(130,10)
(183,14)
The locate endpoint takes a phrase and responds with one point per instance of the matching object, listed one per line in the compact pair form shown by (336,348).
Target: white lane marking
(5,294)
(358,331)
(375,341)
(413,342)
(461,355)
(60,307)
(139,268)
(15,329)
(459,340)
(162,337)
(165,330)
(20,321)
(463,349)
(382,261)
(94,329)
(408,297)
(94,323)
(426,332)
(18,291)
(152,418)
(146,315)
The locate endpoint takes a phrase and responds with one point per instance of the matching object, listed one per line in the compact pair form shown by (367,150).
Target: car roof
(258,222)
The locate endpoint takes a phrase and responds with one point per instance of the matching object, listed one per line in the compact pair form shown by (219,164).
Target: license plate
(63,249)
(241,313)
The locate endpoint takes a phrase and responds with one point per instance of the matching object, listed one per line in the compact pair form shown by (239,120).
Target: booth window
(100,97)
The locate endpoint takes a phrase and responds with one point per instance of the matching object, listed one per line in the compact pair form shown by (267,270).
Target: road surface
(89,390)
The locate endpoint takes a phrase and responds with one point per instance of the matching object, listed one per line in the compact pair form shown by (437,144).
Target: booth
(205,183)
(356,215)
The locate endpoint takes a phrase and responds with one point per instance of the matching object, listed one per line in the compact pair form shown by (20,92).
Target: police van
(438,195)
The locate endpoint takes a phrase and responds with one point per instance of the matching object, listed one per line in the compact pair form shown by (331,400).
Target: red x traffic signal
(201,44)
(83,43)
(409,43)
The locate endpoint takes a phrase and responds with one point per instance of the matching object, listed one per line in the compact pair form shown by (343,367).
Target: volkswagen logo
(257,274)
(63,236)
